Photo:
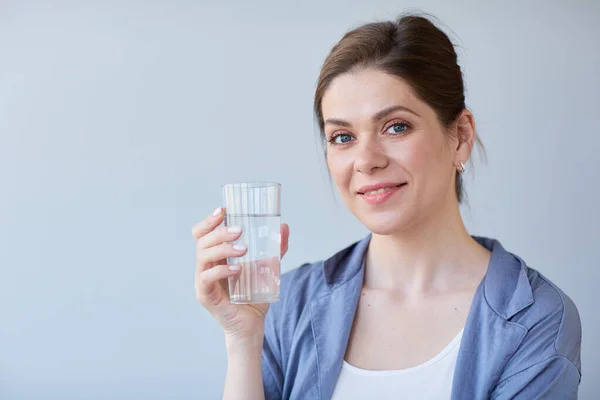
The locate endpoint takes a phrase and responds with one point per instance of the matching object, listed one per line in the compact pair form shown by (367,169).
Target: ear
(465,133)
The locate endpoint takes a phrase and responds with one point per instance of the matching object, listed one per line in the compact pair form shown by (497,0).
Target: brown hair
(410,47)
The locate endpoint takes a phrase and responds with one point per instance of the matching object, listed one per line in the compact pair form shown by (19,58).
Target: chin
(385,223)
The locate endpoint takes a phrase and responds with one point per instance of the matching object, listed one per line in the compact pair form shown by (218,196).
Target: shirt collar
(506,286)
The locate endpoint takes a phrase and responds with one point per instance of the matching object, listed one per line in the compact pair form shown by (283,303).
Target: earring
(462,168)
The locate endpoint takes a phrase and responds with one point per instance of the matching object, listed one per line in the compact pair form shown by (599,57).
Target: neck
(436,256)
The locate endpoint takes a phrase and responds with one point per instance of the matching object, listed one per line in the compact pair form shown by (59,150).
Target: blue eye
(341,138)
(397,128)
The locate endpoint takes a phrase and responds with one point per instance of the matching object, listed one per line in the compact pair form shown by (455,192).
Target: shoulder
(313,280)
(522,296)
(285,319)
(552,322)
(309,281)
(298,286)
(548,358)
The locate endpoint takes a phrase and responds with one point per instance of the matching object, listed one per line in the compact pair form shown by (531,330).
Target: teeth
(374,192)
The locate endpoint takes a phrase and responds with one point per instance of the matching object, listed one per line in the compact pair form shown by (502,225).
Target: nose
(370,156)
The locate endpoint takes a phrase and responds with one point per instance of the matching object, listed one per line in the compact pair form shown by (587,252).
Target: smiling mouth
(382,190)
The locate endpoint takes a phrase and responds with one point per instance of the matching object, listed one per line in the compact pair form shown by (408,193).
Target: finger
(211,255)
(209,290)
(285,236)
(213,275)
(208,224)
(220,235)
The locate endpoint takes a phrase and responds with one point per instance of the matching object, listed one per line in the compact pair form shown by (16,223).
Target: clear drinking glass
(255,207)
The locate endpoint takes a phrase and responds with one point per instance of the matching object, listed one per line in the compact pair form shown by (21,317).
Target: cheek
(340,168)
(424,157)
(414,156)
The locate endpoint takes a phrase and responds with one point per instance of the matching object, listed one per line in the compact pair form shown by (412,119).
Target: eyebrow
(378,116)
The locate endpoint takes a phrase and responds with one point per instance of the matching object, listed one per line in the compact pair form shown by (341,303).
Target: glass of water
(255,207)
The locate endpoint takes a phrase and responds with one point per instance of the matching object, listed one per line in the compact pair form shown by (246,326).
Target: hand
(239,321)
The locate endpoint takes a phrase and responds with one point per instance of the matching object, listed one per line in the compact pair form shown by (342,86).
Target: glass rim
(251,185)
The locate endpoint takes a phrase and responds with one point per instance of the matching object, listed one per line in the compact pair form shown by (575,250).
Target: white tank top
(431,380)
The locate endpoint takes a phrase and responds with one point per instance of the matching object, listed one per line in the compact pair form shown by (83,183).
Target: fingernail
(234,229)
(217,212)
(234,267)
(239,247)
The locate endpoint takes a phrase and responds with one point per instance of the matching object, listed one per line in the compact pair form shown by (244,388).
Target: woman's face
(392,161)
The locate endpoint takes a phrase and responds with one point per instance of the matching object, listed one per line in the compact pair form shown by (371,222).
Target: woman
(419,308)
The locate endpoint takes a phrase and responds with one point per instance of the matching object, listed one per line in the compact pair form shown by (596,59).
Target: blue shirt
(522,338)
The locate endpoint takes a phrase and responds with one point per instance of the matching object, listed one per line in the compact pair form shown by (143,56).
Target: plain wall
(119,121)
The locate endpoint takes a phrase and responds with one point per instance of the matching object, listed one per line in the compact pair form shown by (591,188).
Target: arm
(253,365)
(243,324)
(244,376)
(554,378)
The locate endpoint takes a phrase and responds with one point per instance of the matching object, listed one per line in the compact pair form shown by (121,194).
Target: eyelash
(331,140)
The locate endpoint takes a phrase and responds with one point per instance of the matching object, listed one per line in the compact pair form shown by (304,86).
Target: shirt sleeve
(554,378)
(272,373)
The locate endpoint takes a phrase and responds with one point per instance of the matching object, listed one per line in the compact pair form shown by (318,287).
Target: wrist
(245,345)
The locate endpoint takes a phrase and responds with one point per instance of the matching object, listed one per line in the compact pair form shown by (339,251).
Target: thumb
(285,235)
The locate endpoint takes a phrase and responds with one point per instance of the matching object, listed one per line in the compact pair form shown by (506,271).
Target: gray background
(120,120)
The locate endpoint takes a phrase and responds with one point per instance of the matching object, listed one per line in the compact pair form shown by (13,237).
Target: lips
(379,191)
(379,194)
(379,188)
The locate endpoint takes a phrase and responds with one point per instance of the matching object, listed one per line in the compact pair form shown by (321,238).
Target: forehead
(364,92)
